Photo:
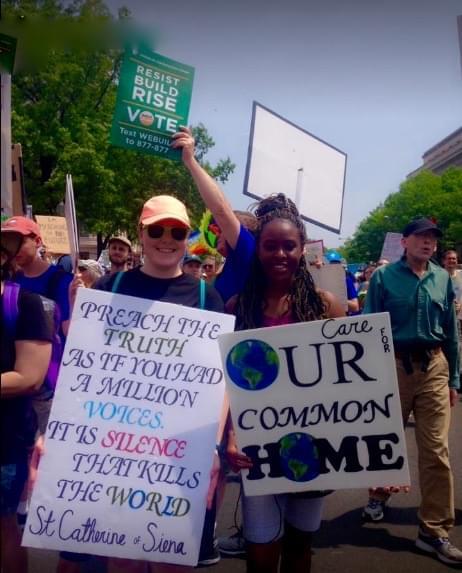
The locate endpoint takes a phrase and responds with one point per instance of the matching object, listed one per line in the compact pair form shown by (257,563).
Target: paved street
(343,544)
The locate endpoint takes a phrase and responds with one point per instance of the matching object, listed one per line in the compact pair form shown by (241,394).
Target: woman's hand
(76,283)
(37,453)
(237,460)
(214,475)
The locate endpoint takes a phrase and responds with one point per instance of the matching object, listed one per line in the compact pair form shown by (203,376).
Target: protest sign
(153,100)
(54,234)
(314,251)
(331,278)
(132,431)
(71,221)
(392,249)
(316,405)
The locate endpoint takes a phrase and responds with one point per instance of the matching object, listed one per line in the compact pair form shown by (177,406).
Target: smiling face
(279,250)
(163,255)
(420,246)
(209,267)
(118,252)
(450,261)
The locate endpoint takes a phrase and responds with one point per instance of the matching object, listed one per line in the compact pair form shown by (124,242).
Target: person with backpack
(25,355)
(164,227)
(52,284)
(236,241)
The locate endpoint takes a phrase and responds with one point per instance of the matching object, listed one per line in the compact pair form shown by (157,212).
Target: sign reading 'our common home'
(153,100)
(316,405)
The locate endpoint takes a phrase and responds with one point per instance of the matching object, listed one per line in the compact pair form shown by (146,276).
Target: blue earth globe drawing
(299,457)
(252,364)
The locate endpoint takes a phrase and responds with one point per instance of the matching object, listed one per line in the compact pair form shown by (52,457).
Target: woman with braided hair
(279,290)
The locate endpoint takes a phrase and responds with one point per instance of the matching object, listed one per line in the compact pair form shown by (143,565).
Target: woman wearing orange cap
(164,227)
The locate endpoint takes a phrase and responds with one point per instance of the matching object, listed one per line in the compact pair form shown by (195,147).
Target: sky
(380,81)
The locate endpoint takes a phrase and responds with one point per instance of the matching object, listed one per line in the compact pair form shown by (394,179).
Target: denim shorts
(12,481)
(264,516)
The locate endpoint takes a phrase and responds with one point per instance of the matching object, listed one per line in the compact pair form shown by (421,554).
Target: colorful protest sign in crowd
(316,406)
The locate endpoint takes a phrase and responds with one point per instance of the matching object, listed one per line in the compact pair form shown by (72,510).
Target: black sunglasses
(177,233)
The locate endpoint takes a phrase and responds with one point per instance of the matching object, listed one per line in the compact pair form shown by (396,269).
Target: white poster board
(283,156)
(392,249)
(331,278)
(316,405)
(132,431)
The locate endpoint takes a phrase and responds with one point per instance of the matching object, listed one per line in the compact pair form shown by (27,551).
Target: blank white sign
(284,158)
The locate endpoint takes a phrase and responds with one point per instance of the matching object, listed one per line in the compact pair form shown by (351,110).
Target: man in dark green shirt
(420,299)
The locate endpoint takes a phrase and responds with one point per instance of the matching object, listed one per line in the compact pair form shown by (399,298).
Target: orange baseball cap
(164,208)
(21,225)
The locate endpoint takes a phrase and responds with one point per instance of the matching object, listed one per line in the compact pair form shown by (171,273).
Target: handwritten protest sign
(153,100)
(131,437)
(316,405)
(54,233)
(331,278)
(392,249)
(314,251)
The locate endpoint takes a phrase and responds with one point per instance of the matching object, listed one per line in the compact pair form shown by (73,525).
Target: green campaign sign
(153,100)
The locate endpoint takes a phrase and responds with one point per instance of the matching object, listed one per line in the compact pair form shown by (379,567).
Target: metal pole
(299,188)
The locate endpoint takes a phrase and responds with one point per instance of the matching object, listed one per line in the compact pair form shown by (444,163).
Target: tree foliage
(426,194)
(62,113)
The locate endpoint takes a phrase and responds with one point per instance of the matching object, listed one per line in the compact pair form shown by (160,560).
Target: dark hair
(7,268)
(306,303)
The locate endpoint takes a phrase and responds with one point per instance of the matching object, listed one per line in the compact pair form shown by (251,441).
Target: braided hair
(305,302)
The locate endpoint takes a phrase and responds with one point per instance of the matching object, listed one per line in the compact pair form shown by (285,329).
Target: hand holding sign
(316,406)
(184,140)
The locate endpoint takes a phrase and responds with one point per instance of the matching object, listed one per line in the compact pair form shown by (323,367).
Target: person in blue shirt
(353,303)
(236,241)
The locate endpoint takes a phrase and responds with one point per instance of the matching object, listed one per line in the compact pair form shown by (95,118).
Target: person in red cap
(25,354)
(35,274)
(419,296)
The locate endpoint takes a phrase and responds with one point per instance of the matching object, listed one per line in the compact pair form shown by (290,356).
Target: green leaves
(62,113)
(426,194)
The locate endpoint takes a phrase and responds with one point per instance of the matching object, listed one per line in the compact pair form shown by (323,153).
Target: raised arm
(211,194)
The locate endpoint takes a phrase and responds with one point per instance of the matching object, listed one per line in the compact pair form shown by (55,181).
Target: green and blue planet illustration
(299,457)
(254,365)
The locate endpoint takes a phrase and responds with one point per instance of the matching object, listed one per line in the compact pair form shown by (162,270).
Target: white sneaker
(374,510)
(233,545)
(441,546)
